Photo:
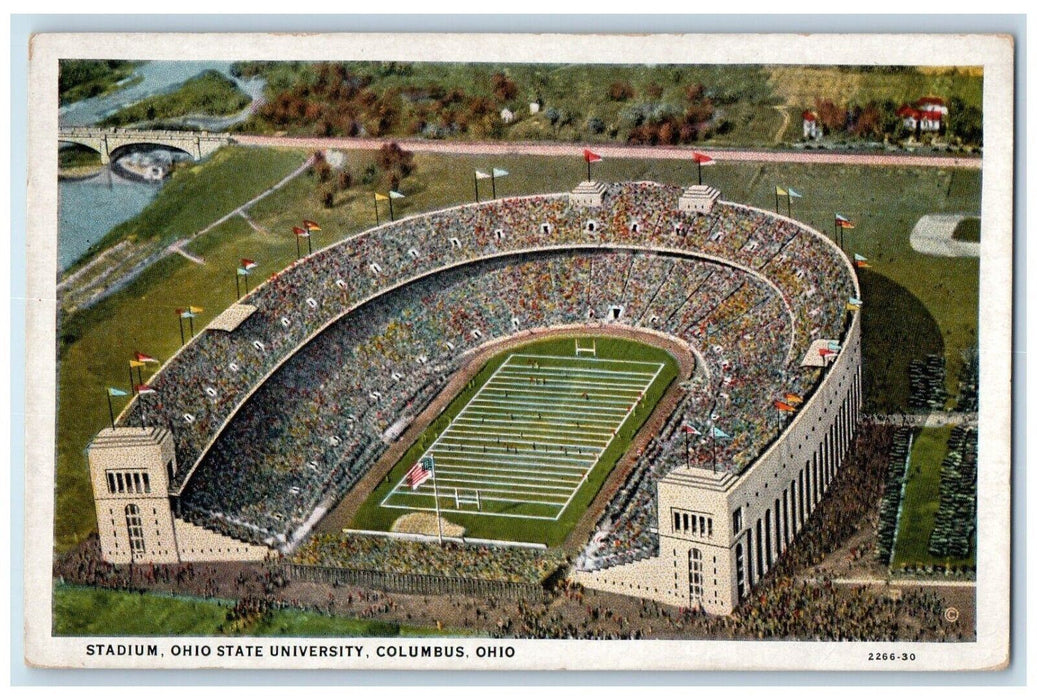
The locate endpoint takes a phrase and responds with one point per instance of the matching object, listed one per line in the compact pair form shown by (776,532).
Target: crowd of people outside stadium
(315,427)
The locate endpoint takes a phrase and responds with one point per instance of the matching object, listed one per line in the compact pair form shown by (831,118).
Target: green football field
(522,451)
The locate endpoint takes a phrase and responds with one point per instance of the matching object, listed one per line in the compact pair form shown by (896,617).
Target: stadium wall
(738,526)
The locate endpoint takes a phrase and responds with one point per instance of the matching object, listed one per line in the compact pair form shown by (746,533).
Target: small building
(507,116)
(534,107)
(698,199)
(588,194)
(811,127)
(924,116)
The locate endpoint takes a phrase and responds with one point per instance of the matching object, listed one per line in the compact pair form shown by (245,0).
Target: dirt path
(784,111)
(614,151)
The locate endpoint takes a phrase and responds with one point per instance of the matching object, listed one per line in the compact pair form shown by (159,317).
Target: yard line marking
(584,359)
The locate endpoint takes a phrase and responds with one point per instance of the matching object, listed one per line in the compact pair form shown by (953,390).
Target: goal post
(591,349)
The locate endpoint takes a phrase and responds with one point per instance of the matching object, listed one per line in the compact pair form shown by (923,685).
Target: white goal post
(591,350)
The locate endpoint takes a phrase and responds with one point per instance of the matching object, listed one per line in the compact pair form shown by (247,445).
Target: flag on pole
(141,357)
(825,352)
(793,193)
(860,261)
(782,406)
(591,156)
(842,222)
(417,475)
(195,309)
(720,434)
(379,197)
(780,192)
(243,271)
(112,391)
(793,398)
(248,264)
(310,225)
(144,389)
(395,195)
(300,232)
(187,313)
(136,363)
(691,430)
(834,346)
(702,159)
(497,172)
(480,175)
(856,302)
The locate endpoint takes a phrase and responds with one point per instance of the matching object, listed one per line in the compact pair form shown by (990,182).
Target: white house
(811,127)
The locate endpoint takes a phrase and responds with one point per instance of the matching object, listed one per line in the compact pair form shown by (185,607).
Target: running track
(606,151)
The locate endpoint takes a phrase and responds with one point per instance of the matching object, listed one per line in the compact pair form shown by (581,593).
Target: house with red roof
(811,127)
(924,116)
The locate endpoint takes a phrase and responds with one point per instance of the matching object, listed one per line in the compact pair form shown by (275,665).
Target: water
(88,209)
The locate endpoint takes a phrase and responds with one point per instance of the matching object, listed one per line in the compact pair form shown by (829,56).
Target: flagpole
(776,205)
(237,287)
(788,196)
(700,171)
(376,221)
(190,320)
(475,179)
(435,491)
(392,214)
(309,242)
(140,398)
(246,283)
(140,377)
(493,182)
(111,413)
(132,388)
(298,251)
(588,169)
(181,320)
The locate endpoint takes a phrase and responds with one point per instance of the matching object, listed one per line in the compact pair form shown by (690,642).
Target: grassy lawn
(84,611)
(922,500)
(372,516)
(967,230)
(912,302)
(210,93)
(81,79)
(800,85)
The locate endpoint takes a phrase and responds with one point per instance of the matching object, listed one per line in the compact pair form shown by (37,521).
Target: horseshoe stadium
(645,388)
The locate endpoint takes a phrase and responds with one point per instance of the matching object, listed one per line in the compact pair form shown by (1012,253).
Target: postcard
(447,351)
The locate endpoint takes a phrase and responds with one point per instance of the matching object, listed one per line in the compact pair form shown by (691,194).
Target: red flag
(248,264)
(782,406)
(825,352)
(701,159)
(310,225)
(591,156)
(144,389)
(691,429)
(300,231)
(141,357)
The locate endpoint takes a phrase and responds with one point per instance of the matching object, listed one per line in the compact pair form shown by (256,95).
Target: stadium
(740,354)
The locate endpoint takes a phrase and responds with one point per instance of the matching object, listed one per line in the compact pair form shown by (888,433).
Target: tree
(595,125)
(396,162)
(620,91)
(831,116)
(504,88)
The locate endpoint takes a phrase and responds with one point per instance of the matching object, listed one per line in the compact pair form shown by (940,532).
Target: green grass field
(921,501)
(523,507)
(913,303)
(84,611)
(967,230)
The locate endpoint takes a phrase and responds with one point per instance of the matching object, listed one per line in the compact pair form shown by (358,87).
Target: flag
(854,301)
(782,406)
(860,261)
(248,264)
(497,172)
(300,232)
(842,222)
(691,429)
(480,175)
(310,225)
(395,195)
(417,475)
(793,193)
(136,363)
(144,389)
(825,352)
(793,398)
(379,197)
(720,434)
(186,313)
(141,357)
(112,391)
(780,192)
(701,159)
(243,271)
(591,156)
(195,309)
(834,346)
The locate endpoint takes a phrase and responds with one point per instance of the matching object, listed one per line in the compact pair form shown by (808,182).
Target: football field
(527,440)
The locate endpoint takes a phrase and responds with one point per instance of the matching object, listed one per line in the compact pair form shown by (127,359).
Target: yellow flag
(379,197)
(196,309)
(135,363)
(780,192)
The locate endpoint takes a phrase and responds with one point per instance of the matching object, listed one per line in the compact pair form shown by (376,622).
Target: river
(91,207)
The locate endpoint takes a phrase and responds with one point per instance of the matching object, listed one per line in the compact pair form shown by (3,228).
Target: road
(612,151)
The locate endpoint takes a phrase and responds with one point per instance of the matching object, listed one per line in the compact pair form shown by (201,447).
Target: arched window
(135,530)
(695,574)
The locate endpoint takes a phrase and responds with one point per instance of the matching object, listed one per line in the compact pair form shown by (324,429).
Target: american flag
(418,474)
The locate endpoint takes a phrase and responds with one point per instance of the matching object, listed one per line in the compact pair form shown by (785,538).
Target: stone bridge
(197,144)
